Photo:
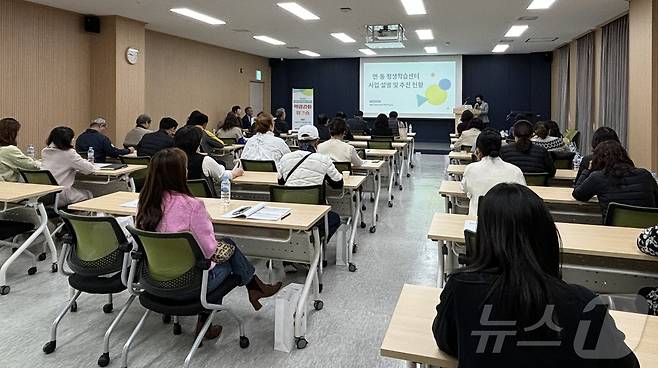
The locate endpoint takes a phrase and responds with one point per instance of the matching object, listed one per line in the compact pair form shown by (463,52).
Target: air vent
(541,39)
(292,48)
(241,30)
(528,18)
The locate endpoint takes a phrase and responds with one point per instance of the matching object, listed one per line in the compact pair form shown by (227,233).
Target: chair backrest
(97,246)
(373,144)
(258,165)
(293,148)
(467,148)
(563,159)
(572,135)
(536,179)
(343,166)
(201,188)
(229,141)
(625,215)
(138,176)
(469,242)
(358,132)
(43,177)
(382,138)
(171,263)
(314,194)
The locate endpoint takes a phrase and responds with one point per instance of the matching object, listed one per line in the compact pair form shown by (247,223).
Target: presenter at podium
(483,107)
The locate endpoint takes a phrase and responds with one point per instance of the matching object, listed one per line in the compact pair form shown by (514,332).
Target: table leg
(355,224)
(131,184)
(311,280)
(391,174)
(449,265)
(441,266)
(375,208)
(402,166)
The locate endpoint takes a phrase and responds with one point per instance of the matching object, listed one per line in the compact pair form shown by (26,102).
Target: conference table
(561,175)
(294,238)
(409,334)
(404,156)
(388,155)
(411,139)
(109,176)
(611,243)
(460,157)
(17,195)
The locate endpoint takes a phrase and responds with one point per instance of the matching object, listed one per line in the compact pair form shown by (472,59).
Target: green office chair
(293,148)
(168,265)
(229,141)
(536,179)
(201,188)
(343,166)
(382,138)
(563,159)
(96,252)
(314,194)
(139,177)
(467,149)
(258,165)
(375,144)
(624,215)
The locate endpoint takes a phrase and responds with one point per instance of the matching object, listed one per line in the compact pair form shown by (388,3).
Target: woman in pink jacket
(166,205)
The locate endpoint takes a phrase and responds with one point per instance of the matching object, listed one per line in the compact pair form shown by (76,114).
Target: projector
(385,36)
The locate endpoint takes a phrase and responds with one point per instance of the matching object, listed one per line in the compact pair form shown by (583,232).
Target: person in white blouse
(338,150)
(264,146)
(479,177)
(469,136)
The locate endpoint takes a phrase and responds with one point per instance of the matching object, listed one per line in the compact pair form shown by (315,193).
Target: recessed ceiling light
(540,4)
(308,53)
(198,16)
(425,34)
(431,49)
(343,37)
(516,31)
(501,47)
(414,7)
(270,40)
(367,52)
(299,11)
(528,17)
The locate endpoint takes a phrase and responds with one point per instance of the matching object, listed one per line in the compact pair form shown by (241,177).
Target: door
(256,96)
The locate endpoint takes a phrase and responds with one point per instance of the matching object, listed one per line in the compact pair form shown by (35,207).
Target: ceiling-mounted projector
(385,36)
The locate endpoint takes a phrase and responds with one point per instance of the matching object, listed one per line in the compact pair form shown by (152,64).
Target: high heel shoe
(213,331)
(259,290)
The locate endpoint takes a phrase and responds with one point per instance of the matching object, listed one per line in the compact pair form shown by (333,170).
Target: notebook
(110,167)
(471,225)
(259,212)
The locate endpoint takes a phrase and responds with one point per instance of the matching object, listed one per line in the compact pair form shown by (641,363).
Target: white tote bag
(284,319)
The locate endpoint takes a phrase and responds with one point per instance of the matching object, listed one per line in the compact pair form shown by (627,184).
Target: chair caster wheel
(301,343)
(53,268)
(318,305)
(377,218)
(108,308)
(352,267)
(363,225)
(324,263)
(244,342)
(392,196)
(177,329)
(50,347)
(363,208)
(4,290)
(400,187)
(372,200)
(31,270)
(412,166)
(42,256)
(354,248)
(104,360)
(373,229)
(166,319)
(74,307)
(390,204)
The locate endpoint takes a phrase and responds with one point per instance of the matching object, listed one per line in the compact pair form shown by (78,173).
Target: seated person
(209,141)
(357,124)
(469,136)
(613,177)
(396,124)
(153,142)
(465,121)
(95,138)
(321,125)
(264,146)
(232,128)
(166,205)
(529,157)
(64,163)
(135,134)
(553,129)
(338,150)
(315,169)
(602,134)
(512,291)
(543,138)
(12,159)
(248,118)
(348,132)
(199,166)
(381,128)
(489,170)
(280,123)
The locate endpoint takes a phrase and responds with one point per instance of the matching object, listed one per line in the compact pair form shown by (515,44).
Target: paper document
(131,204)
(100,166)
(259,212)
(471,225)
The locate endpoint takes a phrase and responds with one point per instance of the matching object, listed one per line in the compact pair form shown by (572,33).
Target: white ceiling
(471,26)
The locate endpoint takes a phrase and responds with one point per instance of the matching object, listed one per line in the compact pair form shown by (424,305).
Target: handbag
(647,242)
(224,252)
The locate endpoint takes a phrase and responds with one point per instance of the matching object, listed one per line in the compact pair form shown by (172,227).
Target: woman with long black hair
(512,293)
(529,157)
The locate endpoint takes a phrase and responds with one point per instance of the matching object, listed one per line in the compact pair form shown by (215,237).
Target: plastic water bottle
(225,190)
(90,154)
(30,151)
(577,159)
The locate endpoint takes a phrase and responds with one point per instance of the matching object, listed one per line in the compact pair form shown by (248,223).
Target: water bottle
(577,159)
(90,154)
(30,151)
(225,190)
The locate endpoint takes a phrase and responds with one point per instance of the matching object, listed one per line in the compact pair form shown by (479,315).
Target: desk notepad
(131,204)
(259,212)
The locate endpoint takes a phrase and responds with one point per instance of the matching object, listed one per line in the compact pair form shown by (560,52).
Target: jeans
(334,224)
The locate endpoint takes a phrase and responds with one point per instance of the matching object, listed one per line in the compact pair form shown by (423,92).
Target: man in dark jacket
(247,118)
(154,142)
(209,141)
(280,124)
(357,124)
(94,137)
